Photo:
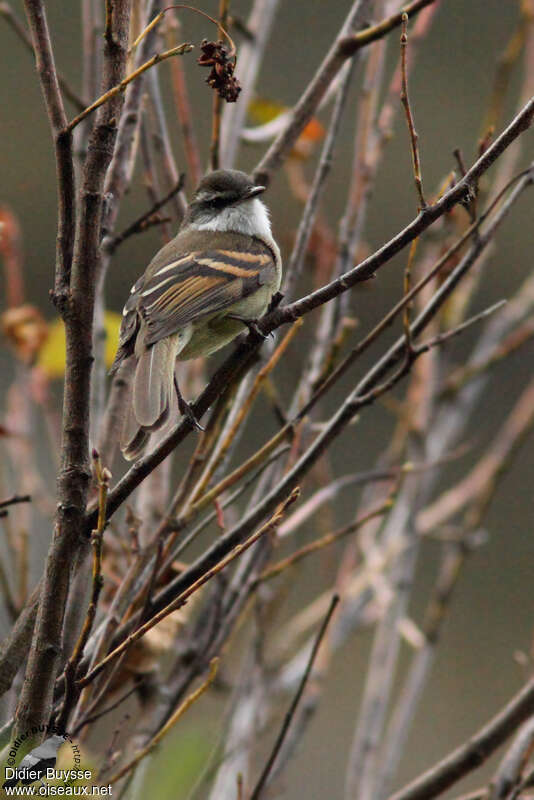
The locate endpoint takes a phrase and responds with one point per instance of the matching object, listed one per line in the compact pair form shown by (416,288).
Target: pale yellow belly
(213,333)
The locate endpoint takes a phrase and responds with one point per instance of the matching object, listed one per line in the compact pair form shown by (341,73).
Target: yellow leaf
(52,356)
(262,110)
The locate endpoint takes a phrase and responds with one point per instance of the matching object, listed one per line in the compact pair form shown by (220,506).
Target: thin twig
(305,229)
(345,46)
(238,361)
(180,711)
(17,498)
(18,26)
(163,145)
(217,100)
(441,338)
(406,292)
(405,100)
(181,600)
(104,711)
(183,107)
(143,222)
(262,781)
(474,752)
(179,50)
(324,541)
(184,7)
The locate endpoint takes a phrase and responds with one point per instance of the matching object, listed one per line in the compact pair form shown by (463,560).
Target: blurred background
(479,664)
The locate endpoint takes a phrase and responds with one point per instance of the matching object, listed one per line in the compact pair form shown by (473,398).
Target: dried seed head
(221,76)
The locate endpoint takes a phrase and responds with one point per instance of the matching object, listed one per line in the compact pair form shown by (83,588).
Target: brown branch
(35,701)
(180,711)
(217,101)
(474,752)
(262,781)
(145,220)
(119,88)
(17,25)
(405,100)
(243,356)
(46,70)
(179,601)
(17,498)
(365,393)
(345,46)
(324,541)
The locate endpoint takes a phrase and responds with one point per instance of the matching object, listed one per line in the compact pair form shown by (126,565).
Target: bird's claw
(185,409)
(252,325)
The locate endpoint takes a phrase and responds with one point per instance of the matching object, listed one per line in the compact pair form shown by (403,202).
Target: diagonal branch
(365,393)
(18,26)
(121,87)
(345,46)
(243,355)
(474,752)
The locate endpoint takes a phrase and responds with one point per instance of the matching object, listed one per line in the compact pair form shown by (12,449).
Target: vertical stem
(251,55)
(183,107)
(217,100)
(408,111)
(35,702)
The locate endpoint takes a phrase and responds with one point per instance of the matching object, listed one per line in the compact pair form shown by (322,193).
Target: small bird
(201,290)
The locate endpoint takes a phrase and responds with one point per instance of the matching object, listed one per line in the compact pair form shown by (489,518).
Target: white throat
(250,218)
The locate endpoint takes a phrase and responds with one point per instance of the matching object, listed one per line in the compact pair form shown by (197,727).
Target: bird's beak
(254,192)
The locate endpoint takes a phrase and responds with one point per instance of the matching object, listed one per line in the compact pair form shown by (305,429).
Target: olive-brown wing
(199,285)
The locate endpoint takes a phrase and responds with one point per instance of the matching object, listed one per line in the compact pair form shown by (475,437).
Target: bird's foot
(252,325)
(185,409)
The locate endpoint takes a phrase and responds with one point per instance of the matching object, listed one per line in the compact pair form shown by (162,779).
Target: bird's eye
(217,202)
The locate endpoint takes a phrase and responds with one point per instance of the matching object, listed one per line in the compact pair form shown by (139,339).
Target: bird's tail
(152,394)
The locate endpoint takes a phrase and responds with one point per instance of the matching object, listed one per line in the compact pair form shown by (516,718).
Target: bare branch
(36,698)
(263,779)
(474,752)
(345,46)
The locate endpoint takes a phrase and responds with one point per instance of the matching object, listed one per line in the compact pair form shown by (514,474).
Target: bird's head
(219,195)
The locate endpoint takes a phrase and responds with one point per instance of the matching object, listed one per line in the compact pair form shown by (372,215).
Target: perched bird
(201,290)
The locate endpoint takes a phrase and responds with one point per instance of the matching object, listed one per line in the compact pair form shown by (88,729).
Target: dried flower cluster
(221,76)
